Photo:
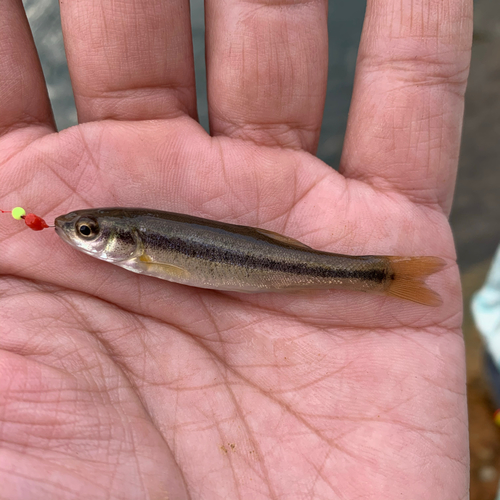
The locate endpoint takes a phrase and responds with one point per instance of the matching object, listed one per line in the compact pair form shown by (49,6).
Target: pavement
(475,217)
(475,220)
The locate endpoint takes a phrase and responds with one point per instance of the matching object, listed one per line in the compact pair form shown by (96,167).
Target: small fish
(210,254)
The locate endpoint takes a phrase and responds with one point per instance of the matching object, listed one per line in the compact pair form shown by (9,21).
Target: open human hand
(115,385)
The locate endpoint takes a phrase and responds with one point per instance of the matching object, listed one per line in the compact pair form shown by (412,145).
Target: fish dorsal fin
(282,239)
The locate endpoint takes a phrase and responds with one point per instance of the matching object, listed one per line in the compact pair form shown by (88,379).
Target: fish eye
(87,228)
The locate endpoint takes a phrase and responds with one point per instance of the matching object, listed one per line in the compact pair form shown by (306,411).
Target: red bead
(34,222)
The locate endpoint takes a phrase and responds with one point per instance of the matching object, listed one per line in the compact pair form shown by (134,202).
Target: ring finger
(130,60)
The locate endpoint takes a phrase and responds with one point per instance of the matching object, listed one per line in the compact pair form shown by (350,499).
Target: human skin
(120,386)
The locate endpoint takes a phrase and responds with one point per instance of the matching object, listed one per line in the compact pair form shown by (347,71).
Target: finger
(23,95)
(130,60)
(267,65)
(406,114)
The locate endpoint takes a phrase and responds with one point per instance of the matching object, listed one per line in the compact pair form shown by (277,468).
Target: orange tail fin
(409,275)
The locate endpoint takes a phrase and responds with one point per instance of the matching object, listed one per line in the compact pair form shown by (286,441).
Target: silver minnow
(210,254)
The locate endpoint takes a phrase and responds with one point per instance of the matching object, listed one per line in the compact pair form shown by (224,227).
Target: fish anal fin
(283,239)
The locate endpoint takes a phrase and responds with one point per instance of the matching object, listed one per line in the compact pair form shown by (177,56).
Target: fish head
(101,236)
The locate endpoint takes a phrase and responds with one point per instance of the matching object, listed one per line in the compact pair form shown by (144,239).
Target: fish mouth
(64,227)
(62,234)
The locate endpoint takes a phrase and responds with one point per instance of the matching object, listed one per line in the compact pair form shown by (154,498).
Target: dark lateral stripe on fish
(220,254)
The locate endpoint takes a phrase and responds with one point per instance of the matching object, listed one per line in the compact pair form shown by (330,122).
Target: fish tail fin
(407,279)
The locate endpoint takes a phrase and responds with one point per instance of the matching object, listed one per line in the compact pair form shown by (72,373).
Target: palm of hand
(127,386)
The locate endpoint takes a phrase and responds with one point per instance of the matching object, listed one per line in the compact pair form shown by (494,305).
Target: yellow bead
(496,417)
(18,213)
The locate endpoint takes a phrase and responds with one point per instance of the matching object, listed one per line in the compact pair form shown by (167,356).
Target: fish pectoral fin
(162,269)
(283,239)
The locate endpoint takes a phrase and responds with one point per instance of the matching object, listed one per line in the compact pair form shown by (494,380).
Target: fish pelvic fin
(407,279)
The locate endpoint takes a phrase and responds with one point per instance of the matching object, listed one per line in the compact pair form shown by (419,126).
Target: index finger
(406,114)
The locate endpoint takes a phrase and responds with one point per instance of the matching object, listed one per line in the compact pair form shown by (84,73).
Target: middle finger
(267,63)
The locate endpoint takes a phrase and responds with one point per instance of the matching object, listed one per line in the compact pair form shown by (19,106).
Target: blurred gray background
(476,213)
